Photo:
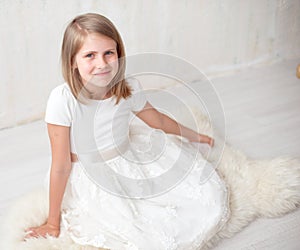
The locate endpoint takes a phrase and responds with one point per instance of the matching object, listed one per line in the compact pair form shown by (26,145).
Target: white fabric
(183,217)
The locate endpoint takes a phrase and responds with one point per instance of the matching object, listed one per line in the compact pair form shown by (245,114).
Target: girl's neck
(98,93)
(100,96)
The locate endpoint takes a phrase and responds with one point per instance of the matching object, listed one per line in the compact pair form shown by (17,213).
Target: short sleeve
(59,106)
(138,98)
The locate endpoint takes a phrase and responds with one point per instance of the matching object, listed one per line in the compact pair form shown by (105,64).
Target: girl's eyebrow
(88,52)
(91,51)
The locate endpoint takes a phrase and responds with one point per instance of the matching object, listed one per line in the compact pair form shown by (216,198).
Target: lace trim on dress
(99,238)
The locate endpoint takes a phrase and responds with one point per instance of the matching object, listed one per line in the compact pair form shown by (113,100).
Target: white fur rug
(257,188)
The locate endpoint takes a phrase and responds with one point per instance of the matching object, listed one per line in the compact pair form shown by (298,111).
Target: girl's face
(97,60)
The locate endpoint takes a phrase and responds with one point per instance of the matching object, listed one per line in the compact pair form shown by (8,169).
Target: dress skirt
(174,210)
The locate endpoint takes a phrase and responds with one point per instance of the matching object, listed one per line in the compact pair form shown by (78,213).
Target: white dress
(148,195)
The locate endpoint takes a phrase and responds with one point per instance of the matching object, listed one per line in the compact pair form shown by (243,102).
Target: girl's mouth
(101,73)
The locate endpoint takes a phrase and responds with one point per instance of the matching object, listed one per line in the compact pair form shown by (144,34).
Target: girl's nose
(101,62)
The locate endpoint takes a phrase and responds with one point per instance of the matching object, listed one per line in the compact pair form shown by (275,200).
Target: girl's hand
(42,231)
(206,139)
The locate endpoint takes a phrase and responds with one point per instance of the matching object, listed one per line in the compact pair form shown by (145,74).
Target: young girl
(88,124)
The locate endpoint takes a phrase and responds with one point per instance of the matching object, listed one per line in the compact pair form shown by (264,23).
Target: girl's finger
(31,228)
(29,231)
(29,235)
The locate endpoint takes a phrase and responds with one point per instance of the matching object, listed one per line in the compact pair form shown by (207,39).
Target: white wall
(216,36)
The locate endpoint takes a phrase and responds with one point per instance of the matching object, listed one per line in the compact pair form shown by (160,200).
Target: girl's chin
(97,83)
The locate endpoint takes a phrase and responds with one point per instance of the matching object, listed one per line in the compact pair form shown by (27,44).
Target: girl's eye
(109,53)
(90,55)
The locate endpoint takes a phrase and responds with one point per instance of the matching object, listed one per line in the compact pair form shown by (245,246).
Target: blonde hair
(74,36)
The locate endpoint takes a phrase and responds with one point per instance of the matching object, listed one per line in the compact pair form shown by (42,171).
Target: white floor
(262,107)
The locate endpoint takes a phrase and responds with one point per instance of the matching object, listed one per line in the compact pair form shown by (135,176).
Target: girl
(87,117)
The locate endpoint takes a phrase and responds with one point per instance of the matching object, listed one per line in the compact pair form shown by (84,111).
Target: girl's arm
(157,120)
(59,174)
